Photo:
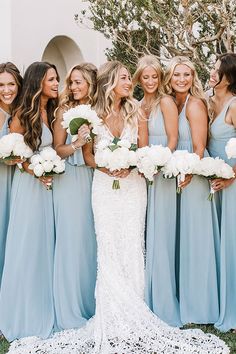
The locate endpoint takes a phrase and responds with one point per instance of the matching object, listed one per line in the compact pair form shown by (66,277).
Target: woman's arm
(171,119)
(221,183)
(196,113)
(60,134)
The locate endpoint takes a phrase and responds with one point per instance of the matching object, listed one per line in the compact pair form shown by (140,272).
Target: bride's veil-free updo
(107,79)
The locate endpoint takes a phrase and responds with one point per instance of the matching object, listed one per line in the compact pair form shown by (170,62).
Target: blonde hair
(89,73)
(150,61)
(107,79)
(196,89)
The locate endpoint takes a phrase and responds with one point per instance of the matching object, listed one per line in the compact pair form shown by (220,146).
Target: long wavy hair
(28,110)
(89,73)
(150,61)
(228,69)
(196,89)
(107,79)
(10,68)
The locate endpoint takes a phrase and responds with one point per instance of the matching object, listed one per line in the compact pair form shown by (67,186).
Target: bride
(122,324)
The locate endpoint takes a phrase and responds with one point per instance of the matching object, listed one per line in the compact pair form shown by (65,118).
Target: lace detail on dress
(122,324)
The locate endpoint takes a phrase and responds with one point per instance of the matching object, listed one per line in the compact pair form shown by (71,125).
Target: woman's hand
(187,180)
(121,173)
(83,133)
(221,183)
(13,162)
(46,181)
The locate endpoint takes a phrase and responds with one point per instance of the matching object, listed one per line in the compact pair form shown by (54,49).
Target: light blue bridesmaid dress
(26,296)
(160,290)
(220,133)
(198,235)
(75,253)
(6,174)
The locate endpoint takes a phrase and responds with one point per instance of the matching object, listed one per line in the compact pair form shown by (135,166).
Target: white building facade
(46,30)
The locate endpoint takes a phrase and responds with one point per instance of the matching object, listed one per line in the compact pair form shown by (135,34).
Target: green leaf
(76,123)
(113,147)
(115,140)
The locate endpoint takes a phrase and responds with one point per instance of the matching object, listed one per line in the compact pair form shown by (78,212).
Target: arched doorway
(64,53)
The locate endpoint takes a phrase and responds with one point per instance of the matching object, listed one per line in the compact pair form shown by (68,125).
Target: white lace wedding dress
(123,324)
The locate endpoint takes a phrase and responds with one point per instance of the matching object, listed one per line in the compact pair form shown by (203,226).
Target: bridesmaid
(162,115)
(75,253)
(10,86)
(222,128)
(197,229)
(26,297)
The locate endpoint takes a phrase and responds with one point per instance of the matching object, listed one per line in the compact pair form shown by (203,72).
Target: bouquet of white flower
(115,156)
(47,163)
(230,148)
(75,117)
(179,165)
(13,147)
(212,168)
(151,159)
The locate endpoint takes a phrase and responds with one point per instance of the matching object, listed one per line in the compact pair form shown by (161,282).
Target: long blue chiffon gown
(160,290)
(220,133)
(198,234)
(6,174)
(26,297)
(75,253)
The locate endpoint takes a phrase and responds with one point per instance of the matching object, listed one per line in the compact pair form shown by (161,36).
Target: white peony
(38,170)
(47,162)
(83,111)
(59,166)
(48,166)
(230,148)
(48,154)
(152,159)
(13,145)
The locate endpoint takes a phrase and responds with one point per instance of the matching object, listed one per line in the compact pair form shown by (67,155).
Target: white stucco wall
(30,25)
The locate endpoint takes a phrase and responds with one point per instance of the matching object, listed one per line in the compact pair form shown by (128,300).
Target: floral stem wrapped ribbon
(213,168)
(151,160)
(75,117)
(120,154)
(47,163)
(13,147)
(182,163)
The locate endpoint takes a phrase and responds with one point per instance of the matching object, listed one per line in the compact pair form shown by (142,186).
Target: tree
(198,29)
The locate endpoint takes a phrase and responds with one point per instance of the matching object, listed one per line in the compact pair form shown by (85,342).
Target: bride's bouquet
(180,164)
(75,117)
(212,168)
(47,163)
(13,147)
(230,148)
(151,160)
(120,154)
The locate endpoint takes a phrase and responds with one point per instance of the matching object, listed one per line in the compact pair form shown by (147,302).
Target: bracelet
(74,147)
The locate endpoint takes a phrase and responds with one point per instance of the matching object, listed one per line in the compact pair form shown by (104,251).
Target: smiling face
(214,80)
(79,86)
(149,80)
(124,84)
(182,78)
(8,89)
(50,84)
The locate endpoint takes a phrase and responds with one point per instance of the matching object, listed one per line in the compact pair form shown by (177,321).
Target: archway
(64,53)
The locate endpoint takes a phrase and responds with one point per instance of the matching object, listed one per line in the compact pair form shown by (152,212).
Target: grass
(229,338)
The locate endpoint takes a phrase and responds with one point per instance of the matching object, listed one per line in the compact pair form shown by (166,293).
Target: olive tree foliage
(199,29)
